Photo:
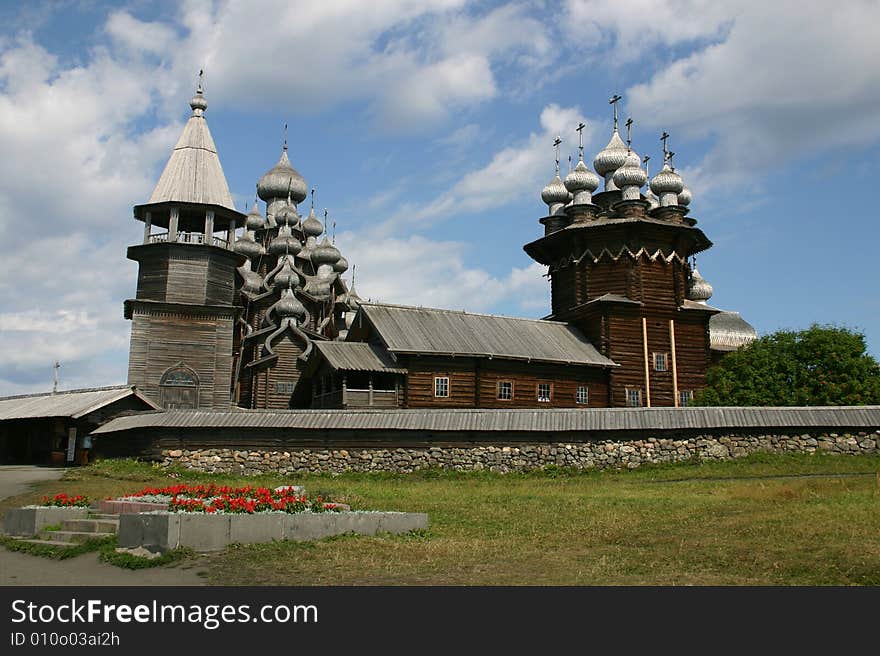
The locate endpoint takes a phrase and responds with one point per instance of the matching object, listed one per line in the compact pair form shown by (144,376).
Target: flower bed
(64,501)
(222,499)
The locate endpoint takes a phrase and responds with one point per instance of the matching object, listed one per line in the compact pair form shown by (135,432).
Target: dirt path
(18,479)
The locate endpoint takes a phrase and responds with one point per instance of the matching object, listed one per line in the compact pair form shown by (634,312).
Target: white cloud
(782,84)
(514,172)
(419,271)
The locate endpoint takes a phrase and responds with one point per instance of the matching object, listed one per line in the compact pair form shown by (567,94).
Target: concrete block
(30,521)
(155,532)
(249,529)
(402,522)
(204,532)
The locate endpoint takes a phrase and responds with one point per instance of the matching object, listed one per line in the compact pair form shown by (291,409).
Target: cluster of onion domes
(621,168)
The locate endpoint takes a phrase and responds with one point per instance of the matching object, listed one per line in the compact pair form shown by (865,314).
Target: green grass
(55,552)
(761,520)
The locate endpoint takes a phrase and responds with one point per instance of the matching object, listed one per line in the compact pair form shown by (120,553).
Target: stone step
(100,515)
(49,543)
(91,525)
(73,536)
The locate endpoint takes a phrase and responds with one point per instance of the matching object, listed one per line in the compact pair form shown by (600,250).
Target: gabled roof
(358,356)
(73,403)
(193,173)
(429,331)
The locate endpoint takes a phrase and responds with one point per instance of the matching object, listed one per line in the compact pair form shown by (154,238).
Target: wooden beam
(172,224)
(674,363)
(647,367)
(148,224)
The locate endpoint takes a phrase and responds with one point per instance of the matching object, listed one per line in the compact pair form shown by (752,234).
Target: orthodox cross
(354,268)
(663,138)
(313,198)
(201,76)
(556,143)
(285,136)
(645,161)
(580,130)
(334,232)
(569,163)
(669,157)
(613,102)
(629,126)
(56,367)
(325,221)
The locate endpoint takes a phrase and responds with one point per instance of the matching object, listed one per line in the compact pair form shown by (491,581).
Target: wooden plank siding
(266,395)
(160,339)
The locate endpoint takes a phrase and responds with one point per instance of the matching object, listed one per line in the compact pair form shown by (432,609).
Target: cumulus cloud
(415,270)
(768,95)
(512,174)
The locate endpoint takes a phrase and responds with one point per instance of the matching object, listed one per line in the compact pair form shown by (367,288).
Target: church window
(685,397)
(441,386)
(634,398)
(544,392)
(505,390)
(582,397)
(660,362)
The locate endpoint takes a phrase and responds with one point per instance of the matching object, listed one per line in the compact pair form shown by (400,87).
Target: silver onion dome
(652,199)
(667,184)
(198,102)
(254,220)
(287,214)
(285,242)
(581,183)
(307,250)
(341,265)
(246,245)
(630,177)
(289,306)
(252,282)
(325,253)
(281,177)
(699,290)
(685,197)
(610,158)
(287,277)
(311,227)
(555,195)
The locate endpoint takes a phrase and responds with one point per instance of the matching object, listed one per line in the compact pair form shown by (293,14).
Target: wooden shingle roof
(73,403)
(357,356)
(415,330)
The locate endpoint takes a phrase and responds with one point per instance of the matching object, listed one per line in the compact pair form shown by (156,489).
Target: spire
(193,173)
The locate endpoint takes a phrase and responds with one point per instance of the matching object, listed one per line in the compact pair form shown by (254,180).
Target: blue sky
(426,128)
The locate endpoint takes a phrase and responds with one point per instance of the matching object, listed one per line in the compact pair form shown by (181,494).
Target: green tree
(822,365)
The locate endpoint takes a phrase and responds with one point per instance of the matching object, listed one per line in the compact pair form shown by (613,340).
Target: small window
(582,397)
(441,386)
(505,390)
(634,398)
(660,362)
(685,397)
(544,392)
(284,388)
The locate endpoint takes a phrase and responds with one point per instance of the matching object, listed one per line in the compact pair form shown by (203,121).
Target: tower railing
(190,238)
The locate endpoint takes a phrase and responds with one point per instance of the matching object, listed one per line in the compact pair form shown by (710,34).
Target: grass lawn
(777,520)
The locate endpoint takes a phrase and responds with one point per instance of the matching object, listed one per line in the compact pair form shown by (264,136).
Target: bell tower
(184,312)
(619,271)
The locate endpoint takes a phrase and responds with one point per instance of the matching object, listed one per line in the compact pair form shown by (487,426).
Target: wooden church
(252,310)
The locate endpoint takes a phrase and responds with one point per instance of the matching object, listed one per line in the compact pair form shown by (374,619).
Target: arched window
(179,388)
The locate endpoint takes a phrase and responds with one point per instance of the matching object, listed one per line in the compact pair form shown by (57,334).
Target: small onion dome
(287,277)
(325,253)
(653,201)
(610,158)
(341,265)
(198,102)
(285,242)
(555,194)
(287,215)
(350,298)
(685,197)
(281,177)
(630,177)
(289,306)
(247,246)
(311,226)
(251,281)
(581,182)
(700,290)
(254,220)
(307,250)
(667,184)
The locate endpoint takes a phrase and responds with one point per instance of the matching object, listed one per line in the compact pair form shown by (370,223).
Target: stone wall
(520,457)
